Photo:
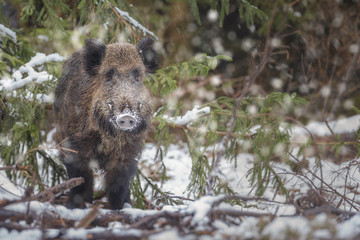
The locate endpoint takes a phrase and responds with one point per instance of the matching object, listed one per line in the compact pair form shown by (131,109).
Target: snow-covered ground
(178,163)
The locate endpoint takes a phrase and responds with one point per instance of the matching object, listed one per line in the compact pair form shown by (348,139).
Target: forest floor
(324,201)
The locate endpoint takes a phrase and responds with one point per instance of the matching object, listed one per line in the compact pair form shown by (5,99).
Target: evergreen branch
(164,81)
(195,10)
(248,12)
(201,130)
(224,11)
(124,15)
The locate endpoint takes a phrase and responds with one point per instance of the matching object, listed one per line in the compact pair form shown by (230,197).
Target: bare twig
(331,131)
(85,222)
(148,222)
(47,194)
(14,167)
(327,185)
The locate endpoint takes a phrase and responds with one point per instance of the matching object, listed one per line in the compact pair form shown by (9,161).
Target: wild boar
(103,112)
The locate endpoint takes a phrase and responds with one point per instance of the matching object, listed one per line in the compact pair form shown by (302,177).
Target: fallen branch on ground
(47,194)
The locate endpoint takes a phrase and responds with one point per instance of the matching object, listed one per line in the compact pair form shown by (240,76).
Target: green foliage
(251,130)
(99,19)
(26,119)
(45,12)
(164,81)
(247,11)
(22,132)
(13,54)
(266,124)
(57,15)
(195,10)
(224,10)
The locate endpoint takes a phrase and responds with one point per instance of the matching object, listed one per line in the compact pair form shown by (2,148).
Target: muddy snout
(125,122)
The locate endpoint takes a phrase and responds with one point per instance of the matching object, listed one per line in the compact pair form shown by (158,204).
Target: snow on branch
(189,116)
(135,23)
(27,73)
(6,32)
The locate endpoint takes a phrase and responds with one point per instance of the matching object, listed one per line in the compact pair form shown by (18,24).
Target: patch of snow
(7,189)
(201,208)
(178,166)
(138,213)
(350,228)
(50,135)
(80,233)
(166,235)
(341,126)
(116,225)
(122,232)
(279,226)
(43,38)
(25,234)
(39,207)
(322,234)
(52,233)
(248,229)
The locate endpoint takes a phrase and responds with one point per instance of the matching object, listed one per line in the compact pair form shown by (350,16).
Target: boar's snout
(128,120)
(125,122)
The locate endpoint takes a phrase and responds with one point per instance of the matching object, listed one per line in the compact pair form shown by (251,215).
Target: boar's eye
(110,74)
(136,74)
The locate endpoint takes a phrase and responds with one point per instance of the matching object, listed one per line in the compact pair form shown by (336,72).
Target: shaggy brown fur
(103,112)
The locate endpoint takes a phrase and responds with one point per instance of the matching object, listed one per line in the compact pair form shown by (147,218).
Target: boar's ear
(93,55)
(148,54)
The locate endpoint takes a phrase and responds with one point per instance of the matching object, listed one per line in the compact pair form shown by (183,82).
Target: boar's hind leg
(117,182)
(83,192)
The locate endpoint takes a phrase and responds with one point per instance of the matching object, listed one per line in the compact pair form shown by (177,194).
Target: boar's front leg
(77,167)
(117,183)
